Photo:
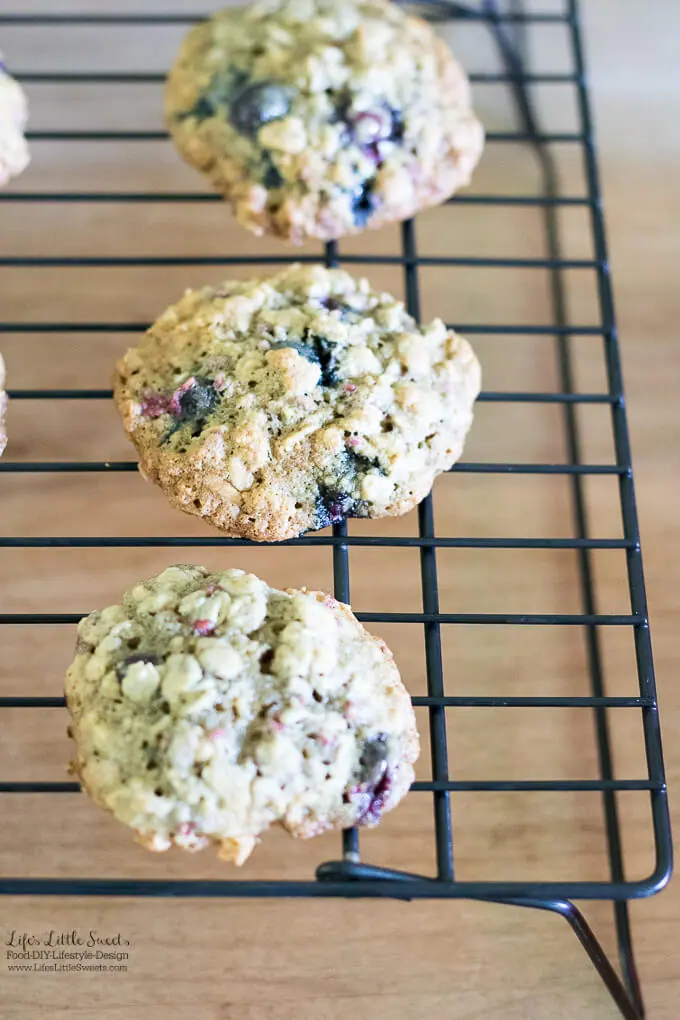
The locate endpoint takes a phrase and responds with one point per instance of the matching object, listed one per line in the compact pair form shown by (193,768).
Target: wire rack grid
(348,876)
(427,541)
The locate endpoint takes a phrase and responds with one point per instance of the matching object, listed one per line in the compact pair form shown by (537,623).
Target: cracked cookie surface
(278,406)
(317,119)
(14,155)
(207,707)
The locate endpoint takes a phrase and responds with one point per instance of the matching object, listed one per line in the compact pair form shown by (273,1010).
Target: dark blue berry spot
(217,96)
(332,507)
(192,403)
(201,110)
(339,505)
(374,781)
(317,349)
(363,203)
(341,115)
(373,761)
(397,127)
(257,104)
(272,178)
(333,305)
(343,102)
(322,518)
(335,505)
(327,357)
(198,401)
(363,465)
(303,349)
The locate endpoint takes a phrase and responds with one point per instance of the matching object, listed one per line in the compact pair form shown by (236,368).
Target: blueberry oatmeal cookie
(273,407)
(318,118)
(3,408)
(207,707)
(13,115)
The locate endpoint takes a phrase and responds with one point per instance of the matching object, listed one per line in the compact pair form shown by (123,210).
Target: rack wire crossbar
(348,876)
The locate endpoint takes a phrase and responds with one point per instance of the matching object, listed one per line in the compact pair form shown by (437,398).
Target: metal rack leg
(629,996)
(628,1003)
(626,996)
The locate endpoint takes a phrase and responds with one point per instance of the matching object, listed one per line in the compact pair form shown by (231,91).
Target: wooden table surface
(324,960)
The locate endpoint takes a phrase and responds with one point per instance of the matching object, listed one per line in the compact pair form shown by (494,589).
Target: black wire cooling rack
(348,877)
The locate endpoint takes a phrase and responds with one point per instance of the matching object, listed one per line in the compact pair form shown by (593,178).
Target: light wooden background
(250,960)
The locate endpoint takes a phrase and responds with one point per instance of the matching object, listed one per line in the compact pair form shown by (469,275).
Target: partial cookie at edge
(14,155)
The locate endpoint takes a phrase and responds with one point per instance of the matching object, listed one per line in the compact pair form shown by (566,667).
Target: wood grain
(251,960)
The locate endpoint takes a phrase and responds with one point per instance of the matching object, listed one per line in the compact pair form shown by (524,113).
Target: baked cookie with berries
(271,407)
(13,115)
(207,707)
(317,119)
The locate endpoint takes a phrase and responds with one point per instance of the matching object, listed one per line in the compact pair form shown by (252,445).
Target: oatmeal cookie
(13,115)
(207,707)
(273,407)
(317,118)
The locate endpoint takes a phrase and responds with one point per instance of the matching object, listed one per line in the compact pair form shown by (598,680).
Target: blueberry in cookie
(271,407)
(319,118)
(207,707)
